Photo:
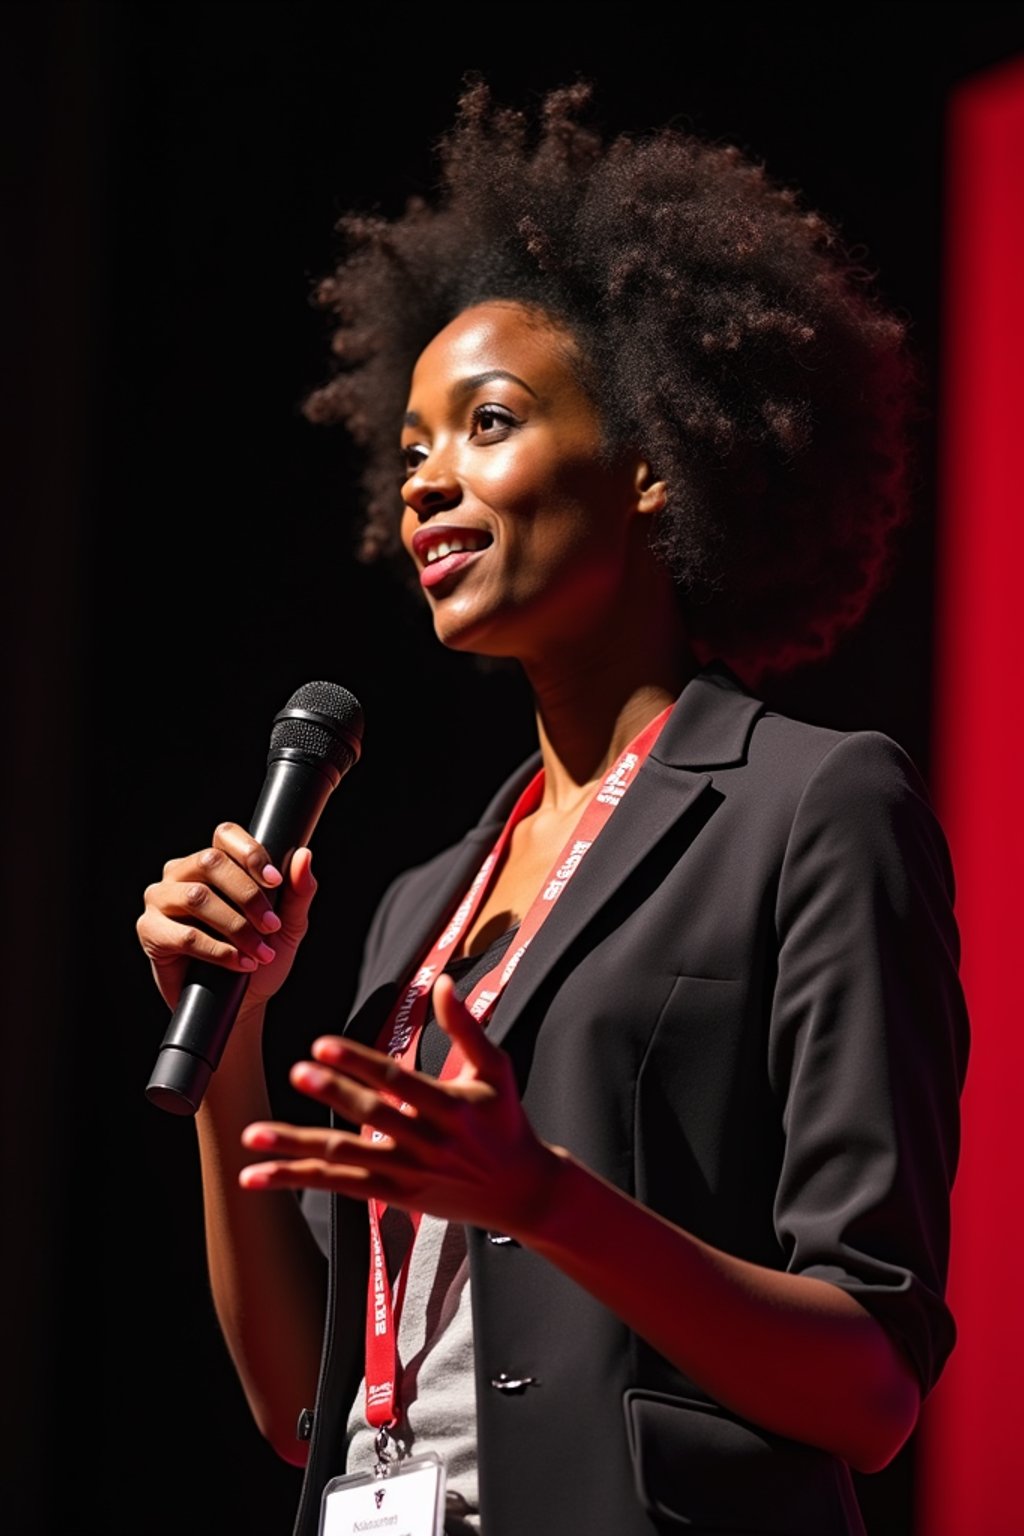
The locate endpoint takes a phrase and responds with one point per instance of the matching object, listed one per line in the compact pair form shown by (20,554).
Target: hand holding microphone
(316,738)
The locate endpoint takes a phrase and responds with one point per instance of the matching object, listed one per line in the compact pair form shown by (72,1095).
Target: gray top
(435,1347)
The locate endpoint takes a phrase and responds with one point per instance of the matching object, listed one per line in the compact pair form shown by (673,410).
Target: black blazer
(746,1012)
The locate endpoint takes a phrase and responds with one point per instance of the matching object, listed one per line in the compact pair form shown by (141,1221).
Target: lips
(445,547)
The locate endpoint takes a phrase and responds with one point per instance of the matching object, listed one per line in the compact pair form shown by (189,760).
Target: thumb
(297,893)
(465,1031)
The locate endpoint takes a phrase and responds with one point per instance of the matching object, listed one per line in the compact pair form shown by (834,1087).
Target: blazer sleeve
(869,1041)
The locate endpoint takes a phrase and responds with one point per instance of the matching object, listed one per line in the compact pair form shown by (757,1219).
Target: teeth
(440,550)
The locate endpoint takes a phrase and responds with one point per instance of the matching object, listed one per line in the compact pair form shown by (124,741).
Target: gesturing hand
(461,1149)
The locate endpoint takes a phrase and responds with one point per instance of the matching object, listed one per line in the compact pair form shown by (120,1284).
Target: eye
(411,456)
(490,421)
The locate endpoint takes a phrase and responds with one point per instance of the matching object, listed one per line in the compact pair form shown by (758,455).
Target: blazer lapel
(709,726)
(655,802)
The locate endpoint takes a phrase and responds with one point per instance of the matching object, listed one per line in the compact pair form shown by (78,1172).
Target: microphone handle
(294,794)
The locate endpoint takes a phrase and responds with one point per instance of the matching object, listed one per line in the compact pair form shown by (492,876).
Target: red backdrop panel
(971,1443)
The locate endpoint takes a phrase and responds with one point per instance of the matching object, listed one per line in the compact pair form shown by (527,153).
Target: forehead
(500,335)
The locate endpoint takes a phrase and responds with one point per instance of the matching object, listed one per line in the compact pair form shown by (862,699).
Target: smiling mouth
(464,541)
(445,548)
(455,547)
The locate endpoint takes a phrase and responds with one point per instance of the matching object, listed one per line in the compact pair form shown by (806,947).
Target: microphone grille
(323,721)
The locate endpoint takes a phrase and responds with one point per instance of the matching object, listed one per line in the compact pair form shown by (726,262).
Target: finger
(168,942)
(281,1140)
(214,870)
(312,1173)
(296,895)
(383,1073)
(249,853)
(467,1032)
(196,903)
(334,1160)
(300,873)
(363,1106)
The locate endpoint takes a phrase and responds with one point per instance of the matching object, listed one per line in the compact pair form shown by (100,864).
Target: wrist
(250,1015)
(545,1218)
(241,1062)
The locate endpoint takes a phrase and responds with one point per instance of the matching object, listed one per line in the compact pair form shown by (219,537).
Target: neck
(593,699)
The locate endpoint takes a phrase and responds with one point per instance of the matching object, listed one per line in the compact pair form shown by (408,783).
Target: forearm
(267,1275)
(792,1353)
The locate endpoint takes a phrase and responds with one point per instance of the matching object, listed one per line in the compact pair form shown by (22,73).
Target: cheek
(512,482)
(563,482)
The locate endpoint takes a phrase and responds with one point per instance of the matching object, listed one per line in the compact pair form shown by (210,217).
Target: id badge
(407,1501)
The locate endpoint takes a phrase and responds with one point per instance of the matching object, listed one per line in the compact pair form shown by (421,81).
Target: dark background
(177,551)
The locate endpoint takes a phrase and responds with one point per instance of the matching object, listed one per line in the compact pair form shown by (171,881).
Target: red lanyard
(400,1036)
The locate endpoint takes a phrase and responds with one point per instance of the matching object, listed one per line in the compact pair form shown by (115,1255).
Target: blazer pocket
(696,1466)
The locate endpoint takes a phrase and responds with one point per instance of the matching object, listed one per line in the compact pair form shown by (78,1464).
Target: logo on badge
(378,1496)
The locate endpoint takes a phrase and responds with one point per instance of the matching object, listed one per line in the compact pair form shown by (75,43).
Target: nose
(433,486)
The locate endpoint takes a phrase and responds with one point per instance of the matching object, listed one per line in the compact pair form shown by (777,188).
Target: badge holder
(404,1495)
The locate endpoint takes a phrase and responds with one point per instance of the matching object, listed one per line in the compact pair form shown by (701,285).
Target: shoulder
(718,724)
(863,779)
(860,765)
(792,778)
(864,800)
(856,809)
(863,862)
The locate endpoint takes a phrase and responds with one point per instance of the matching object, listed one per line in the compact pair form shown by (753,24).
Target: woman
(647,1107)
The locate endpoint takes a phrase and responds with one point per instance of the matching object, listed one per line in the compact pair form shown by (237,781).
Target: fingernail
(265,952)
(271,875)
(260,1136)
(310,1077)
(271,921)
(254,1177)
(247,962)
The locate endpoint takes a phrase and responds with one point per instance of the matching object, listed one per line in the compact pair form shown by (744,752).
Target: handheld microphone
(316,738)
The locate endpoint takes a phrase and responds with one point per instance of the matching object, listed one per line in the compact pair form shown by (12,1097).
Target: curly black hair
(729,335)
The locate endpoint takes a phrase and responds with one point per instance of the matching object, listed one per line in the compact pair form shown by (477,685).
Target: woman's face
(520,529)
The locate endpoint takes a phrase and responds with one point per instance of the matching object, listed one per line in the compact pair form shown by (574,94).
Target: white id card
(408,1501)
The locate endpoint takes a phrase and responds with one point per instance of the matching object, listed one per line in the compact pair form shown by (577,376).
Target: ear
(651,494)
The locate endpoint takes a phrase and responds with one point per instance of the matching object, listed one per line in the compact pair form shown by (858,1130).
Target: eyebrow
(469,385)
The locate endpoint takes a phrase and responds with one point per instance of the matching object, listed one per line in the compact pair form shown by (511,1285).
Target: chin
(474,645)
(459,632)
